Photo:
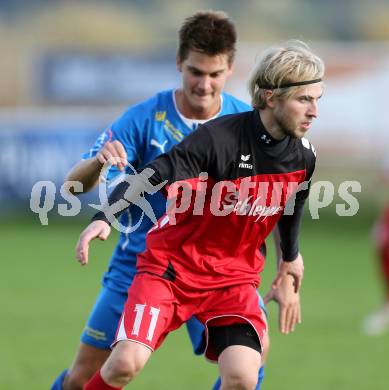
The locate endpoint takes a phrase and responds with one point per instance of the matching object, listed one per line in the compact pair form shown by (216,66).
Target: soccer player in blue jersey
(204,58)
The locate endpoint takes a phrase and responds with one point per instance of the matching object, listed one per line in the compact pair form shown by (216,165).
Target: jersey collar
(263,135)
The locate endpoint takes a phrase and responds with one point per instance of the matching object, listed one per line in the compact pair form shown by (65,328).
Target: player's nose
(205,83)
(313,110)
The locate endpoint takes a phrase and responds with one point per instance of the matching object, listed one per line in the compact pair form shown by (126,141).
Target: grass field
(45,298)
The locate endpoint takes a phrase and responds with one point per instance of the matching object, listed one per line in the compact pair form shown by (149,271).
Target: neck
(191,112)
(271,125)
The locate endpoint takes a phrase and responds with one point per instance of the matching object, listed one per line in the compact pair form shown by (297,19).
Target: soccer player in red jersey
(378,322)
(228,184)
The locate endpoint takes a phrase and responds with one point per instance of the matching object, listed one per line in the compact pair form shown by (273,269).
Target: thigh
(150,311)
(101,326)
(229,306)
(239,361)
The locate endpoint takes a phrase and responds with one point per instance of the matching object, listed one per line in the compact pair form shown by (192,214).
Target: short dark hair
(208,32)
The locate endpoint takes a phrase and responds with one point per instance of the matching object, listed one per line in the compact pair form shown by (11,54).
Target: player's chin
(300,132)
(203,103)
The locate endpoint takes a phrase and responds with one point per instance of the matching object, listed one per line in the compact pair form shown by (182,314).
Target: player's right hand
(113,153)
(295,268)
(97,229)
(288,304)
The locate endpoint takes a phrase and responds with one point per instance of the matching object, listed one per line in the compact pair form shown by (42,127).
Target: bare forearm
(87,172)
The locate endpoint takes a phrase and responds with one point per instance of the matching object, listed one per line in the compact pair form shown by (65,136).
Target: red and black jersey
(228,184)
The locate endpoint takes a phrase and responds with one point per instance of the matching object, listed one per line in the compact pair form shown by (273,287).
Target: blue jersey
(146,130)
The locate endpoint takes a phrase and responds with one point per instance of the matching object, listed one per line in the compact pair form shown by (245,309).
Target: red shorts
(156,306)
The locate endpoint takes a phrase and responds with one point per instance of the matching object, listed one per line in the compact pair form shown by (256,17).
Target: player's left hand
(288,304)
(96,229)
(294,268)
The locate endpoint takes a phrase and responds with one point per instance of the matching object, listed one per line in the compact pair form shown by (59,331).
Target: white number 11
(154,312)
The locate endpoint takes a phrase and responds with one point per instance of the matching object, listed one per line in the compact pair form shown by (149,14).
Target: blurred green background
(69,68)
(46,296)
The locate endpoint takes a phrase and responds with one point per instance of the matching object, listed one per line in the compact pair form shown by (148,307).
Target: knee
(240,380)
(122,369)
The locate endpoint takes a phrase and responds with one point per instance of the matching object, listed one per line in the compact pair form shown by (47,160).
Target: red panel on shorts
(156,306)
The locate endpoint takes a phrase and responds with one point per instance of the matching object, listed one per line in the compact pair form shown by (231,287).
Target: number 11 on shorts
(154,313)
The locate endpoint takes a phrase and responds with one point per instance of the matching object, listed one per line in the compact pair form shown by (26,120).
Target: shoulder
(149,107)
(224,132)
(229,121)
(231,104)
(227,130)
(138,115)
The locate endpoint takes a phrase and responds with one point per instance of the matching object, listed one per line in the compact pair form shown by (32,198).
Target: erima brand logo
(245,158)
(244,164)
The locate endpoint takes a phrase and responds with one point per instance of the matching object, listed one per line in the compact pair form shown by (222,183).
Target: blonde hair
(289,63)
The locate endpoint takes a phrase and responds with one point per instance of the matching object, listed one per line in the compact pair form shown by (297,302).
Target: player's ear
(230,69)
(269,98)
(178,63)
